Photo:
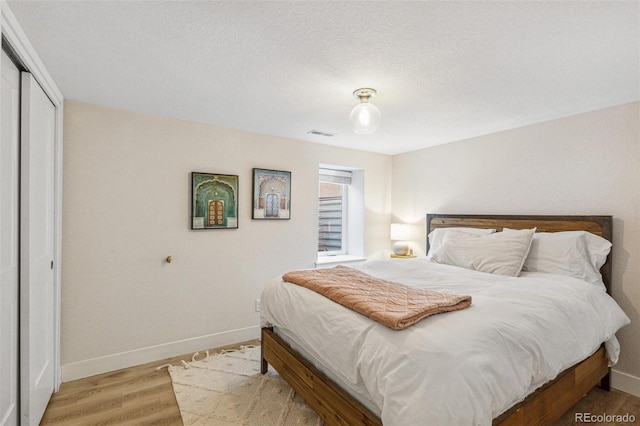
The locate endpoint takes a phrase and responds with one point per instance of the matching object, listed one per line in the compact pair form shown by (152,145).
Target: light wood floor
(143,395)
(138,395)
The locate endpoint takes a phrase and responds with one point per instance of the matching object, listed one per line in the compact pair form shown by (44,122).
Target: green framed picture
(214,201)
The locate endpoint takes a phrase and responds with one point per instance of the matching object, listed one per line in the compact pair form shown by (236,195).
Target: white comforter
(464,367)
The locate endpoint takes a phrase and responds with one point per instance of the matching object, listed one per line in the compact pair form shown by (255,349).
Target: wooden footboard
(337,407)
(332,403)
(549,403)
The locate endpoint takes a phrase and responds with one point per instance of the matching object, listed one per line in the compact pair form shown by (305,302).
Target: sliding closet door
(37,315)
(9,244)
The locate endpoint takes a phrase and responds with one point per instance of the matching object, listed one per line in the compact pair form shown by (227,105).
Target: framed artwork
(271,194)
(214,201)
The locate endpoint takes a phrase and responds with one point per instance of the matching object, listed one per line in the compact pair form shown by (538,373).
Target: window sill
(324,261)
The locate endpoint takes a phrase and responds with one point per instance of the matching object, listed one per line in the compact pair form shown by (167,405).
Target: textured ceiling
(444,71)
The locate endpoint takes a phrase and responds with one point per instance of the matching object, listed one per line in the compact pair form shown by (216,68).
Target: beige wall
(126,208)
(585,164)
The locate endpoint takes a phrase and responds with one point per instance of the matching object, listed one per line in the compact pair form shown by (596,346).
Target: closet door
(9,244)
(37,315)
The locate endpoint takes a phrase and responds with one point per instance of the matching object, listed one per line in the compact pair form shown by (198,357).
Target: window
(340,211)
(332,222)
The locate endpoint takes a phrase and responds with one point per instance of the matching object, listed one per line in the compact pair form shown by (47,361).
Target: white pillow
(578,254)
(437,236)
(501,253)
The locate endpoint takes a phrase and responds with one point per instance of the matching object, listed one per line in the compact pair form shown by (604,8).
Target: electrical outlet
(257,305)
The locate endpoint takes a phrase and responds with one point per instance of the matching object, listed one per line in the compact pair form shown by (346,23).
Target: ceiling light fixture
(365,117)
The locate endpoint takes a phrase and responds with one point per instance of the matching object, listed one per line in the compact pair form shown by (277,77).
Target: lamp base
(401,248)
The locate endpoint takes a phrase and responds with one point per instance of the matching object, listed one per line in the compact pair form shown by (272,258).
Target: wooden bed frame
(544,406)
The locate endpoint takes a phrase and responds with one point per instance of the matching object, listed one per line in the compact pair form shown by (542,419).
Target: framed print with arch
(214,201)
(271,194)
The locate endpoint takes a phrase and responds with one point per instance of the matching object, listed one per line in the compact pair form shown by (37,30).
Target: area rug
(228,389)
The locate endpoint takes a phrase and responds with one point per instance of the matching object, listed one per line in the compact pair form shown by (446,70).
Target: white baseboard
(91,367)
(625,383)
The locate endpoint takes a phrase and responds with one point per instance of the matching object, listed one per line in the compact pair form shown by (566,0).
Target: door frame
(16,40)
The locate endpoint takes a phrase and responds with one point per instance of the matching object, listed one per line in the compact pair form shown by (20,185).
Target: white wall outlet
(257,305)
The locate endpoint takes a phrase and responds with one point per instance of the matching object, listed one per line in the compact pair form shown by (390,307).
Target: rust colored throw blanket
(395,305)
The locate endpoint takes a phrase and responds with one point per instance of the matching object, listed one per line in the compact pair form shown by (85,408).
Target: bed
(368,374)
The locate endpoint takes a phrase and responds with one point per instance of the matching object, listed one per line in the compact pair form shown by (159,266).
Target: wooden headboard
(599,225)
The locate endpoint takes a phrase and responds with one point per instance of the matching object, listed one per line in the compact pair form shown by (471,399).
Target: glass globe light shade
(365,118)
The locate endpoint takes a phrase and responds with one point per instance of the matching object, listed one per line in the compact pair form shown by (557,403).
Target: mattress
(462,367)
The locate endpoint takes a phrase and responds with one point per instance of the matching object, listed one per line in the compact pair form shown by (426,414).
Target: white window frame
(344,222)
(353,219)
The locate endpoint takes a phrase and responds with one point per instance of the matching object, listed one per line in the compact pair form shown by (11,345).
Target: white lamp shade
(365,118)
(400,231)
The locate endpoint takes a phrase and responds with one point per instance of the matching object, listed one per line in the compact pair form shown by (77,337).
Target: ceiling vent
(321,133)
